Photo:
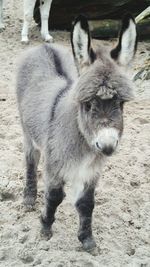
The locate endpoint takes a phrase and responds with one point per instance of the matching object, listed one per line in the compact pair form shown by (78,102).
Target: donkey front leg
(85,206)
(28,15)
(54,195)
(45,6)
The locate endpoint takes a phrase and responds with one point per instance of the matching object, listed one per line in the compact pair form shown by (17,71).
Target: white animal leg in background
(45,6)
(28,15)
(1,15)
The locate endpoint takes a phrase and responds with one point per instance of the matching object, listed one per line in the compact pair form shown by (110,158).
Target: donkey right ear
(126,47)
(81,42)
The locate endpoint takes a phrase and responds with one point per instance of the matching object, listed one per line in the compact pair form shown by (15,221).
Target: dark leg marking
(30,190)
(53,198)
(85,206)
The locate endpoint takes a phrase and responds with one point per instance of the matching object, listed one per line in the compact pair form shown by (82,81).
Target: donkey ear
(126,47)
(81,42)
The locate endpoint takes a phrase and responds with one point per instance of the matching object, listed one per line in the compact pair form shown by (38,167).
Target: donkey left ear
(126,47)
(81,42)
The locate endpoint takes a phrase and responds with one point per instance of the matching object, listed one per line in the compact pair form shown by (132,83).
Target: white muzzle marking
(106,140)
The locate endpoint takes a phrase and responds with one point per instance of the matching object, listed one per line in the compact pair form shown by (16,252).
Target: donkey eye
(87,106)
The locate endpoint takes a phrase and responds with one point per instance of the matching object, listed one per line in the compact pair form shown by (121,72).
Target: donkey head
(102,88)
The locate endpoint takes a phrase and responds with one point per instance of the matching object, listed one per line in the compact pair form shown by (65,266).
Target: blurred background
(104,15)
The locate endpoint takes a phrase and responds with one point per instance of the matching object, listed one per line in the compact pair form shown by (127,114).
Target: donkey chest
(84,170)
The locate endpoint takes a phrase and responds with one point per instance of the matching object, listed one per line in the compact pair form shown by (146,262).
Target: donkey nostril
(108,150)
(98,146)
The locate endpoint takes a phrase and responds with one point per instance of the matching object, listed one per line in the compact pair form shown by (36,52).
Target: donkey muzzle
(107,141)
(107,149)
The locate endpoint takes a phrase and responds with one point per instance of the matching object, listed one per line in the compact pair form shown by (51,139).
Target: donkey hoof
(46,234)
(46,231)
(29,204)
(29,198)
(89,244)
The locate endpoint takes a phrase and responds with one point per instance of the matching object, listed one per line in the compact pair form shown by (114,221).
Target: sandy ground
(121,222)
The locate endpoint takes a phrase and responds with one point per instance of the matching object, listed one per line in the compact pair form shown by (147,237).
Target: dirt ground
(121,222)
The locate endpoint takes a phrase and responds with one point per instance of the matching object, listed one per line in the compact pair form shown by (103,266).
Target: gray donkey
(71,109)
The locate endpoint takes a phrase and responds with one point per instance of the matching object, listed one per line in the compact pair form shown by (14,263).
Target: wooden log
(105,29)
(142,15)
(144,29)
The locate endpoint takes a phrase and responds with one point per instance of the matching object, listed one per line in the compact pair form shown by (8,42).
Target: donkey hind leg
(28,15)
(32,156)
(85,206)
(54,195)
(1,15)
(45,6)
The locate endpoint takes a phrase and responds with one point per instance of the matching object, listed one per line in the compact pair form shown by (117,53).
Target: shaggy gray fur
(61,113)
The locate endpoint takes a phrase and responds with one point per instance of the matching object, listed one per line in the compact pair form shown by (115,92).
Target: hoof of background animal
(48,38)
(89,244)
(24,40)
